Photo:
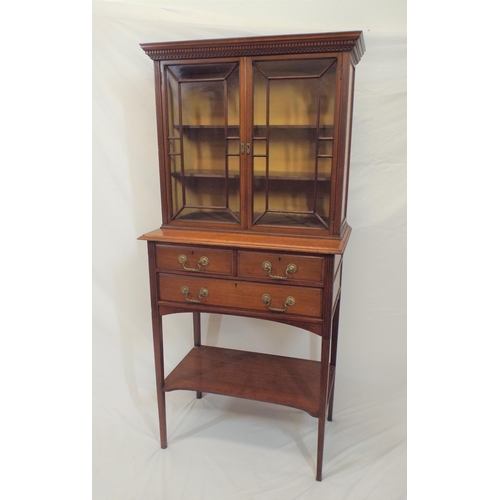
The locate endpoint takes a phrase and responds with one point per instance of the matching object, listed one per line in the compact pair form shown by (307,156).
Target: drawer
(240,295)
(194,259)
(280,266)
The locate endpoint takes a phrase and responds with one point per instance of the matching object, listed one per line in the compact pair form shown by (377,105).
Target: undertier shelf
(261,377)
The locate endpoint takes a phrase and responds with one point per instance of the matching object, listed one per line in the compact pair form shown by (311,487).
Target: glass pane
(323,200)
(259,167)
(259,102)
(215,71)
(259,186)
(294,67)
(327,99)
(205,191)
(174,146)
(233,147)
(293,110)
(293,102)
(325,148)
(203,104)
(204,116)
(324,168)
(175,165)
(204,150)
(233,102)
(234,186)
(175,171)
(292,152)
(206,215)
(259,147)
(287,195)
(172,106)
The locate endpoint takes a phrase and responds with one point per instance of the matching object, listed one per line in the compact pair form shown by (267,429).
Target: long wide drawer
(280,299)
(194,259)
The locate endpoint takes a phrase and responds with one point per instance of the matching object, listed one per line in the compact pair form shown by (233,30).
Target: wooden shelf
(279,219)
(284,126)
(214,215)
(206,127)
(291,219)
(259,126)
(220,174)
(291,176)
(207,173)
(262,377)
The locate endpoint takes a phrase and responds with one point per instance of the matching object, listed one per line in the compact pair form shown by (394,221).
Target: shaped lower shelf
(262,377)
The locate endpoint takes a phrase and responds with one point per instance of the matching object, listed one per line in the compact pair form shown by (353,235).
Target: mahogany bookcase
(254,145)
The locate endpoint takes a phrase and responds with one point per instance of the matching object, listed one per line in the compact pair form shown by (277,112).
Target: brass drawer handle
(290,269)
(290,301)
(203,293)
(202,262)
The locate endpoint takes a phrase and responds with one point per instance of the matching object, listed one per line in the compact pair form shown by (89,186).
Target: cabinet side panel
(343,153)
(347,152)
(160,120)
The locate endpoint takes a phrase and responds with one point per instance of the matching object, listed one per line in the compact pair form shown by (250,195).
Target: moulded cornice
(351,41)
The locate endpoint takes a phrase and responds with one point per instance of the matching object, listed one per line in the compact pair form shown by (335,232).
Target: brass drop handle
(290,269)
(202,262)
(290,301)
(203,293)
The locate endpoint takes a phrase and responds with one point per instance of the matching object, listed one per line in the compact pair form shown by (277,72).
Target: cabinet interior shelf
(233,127)
(221,174)
(262,377)
(282,219)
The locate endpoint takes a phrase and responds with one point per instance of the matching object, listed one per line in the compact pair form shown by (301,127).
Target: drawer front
(194,260)
(280,267)
(279,299)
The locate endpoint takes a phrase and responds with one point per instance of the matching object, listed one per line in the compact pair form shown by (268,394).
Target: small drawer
(194,260)
(260,297)
(280,266)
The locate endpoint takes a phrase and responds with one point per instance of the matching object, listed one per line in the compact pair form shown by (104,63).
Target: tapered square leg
(159,369)
(325,355)
(197,338)
(333,356)
(321,445)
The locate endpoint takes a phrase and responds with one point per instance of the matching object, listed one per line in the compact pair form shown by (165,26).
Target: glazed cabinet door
(202,141)
(293,114)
